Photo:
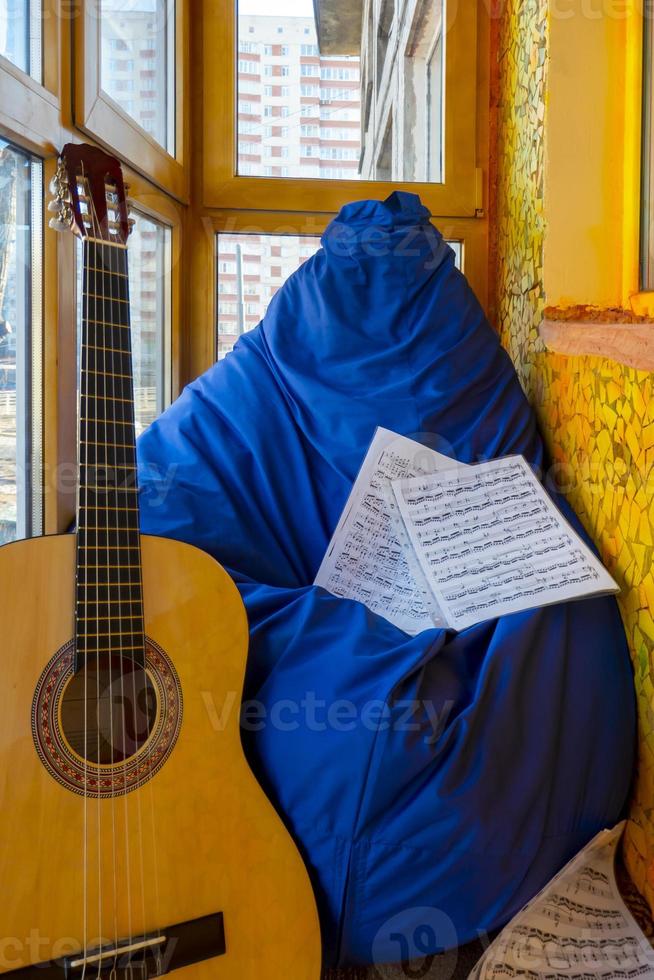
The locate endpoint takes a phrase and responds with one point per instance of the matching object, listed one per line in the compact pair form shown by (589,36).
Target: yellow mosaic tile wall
(597,417)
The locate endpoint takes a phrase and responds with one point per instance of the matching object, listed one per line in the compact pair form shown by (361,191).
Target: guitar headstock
(89,195)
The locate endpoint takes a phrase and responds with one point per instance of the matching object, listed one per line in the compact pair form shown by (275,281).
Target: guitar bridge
(138,958)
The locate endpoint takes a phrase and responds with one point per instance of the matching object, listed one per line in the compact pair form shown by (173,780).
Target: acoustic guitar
(134,839)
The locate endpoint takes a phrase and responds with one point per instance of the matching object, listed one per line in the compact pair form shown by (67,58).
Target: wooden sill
(631,344)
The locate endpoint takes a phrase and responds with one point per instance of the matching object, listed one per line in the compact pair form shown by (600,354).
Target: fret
(97,636)
(110,445)
(110,489)
(100,508)
(102,548)
(107,323)
(111,566)
(99,619)
(108,350)
(110,585)
(113,466)
(121,275)
(107,374)
(105,298)
(121,649)
(112,602)
(111,398)
(102,241)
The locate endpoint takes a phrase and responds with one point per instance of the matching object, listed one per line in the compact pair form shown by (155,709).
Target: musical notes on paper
(577,928)
(491,542)
(369,557)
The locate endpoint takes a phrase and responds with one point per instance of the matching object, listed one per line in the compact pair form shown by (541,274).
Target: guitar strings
(109,621)
(117,346)
(86,644)
(128,407)
(155,851)
(82,415)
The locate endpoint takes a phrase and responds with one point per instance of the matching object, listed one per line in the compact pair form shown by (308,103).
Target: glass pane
(20,34)
(326,96)
(138,63)
(20,278)
(250,270)
(149,257)
(149,286)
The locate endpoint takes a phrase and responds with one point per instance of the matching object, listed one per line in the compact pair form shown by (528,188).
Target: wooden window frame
(30,111)
(99,116)
(459,196)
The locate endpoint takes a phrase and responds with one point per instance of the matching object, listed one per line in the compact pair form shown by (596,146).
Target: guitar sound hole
(108,710)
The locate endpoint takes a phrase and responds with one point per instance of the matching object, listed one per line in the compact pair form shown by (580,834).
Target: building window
(20,35)
(150,43)
(21,225)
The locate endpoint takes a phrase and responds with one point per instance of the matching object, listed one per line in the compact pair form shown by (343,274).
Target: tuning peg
(59,224)
(56,205)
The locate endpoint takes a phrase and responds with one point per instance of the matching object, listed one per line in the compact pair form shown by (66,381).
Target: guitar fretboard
(109,606)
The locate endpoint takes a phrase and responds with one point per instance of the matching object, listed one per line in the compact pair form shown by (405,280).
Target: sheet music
(577,928)
(369,557)
(491,542)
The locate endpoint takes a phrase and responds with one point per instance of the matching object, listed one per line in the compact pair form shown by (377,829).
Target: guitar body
(193,836)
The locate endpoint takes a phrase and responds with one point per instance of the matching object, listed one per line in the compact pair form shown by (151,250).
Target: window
(20,342)
(151,43)
(279,256)
(20,35)
(434,119)
(150,305)
(402,40)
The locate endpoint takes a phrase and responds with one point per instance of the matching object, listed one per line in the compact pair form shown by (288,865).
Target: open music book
(429,542)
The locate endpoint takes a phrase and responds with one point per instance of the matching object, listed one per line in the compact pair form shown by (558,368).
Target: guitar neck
(109,609)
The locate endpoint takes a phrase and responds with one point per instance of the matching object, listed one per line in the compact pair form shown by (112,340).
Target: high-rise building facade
(299,113)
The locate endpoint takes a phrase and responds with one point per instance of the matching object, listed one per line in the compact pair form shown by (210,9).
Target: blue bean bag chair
(433,783)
